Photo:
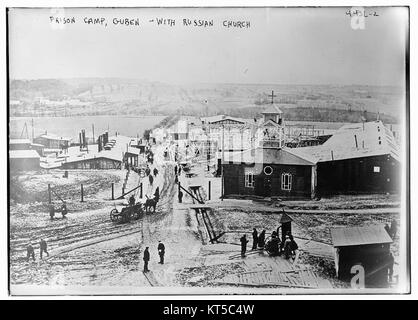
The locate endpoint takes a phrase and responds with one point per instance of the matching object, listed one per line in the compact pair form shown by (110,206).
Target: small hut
(366,246)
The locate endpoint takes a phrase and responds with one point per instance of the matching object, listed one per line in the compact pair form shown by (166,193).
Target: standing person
(51,211)
(287,247)
(155,171)
(261,239)
(161,252)
(180,196)
(151,179)
(146,259)
(157,194)
(294,249)
(393,229)
(390,263)
(43,247)
(175,169)
(30,252)
(255,239)
(132,200)
(179,170)
(244,242)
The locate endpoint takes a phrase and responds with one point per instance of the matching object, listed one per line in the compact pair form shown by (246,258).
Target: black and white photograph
(208,150)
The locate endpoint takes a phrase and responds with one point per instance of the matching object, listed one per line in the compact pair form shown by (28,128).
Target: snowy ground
(89,253)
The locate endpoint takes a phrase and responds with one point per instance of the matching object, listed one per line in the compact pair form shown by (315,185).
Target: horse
(150,203)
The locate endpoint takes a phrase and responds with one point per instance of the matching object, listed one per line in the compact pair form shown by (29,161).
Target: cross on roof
(272,95)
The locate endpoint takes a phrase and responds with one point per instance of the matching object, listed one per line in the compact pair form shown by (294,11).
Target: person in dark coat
(132,200)
(146,259)
(161,252)
(244,242)
(255,239)
(175,170)
(179,170)
(43,247)
(180,196)
(390,261)
(293,245)
(64,210)
(157,194)
(30,252)
(393,229)
(147,171)
(155,171)
(151,179)
(287,248)
(261,239)
(51,212)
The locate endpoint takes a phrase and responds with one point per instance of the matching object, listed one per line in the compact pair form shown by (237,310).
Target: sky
(281,46)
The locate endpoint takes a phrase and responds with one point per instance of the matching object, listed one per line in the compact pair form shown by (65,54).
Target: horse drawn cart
(128,213)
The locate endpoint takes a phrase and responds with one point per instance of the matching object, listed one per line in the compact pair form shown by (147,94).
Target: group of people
(30,251)
(287,246)
(146,257)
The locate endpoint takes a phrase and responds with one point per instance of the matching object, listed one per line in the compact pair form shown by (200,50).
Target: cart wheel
(113,214)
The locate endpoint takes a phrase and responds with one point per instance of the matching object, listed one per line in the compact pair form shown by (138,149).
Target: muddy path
(86,247)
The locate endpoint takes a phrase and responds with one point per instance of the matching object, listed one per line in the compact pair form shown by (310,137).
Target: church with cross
(357,158)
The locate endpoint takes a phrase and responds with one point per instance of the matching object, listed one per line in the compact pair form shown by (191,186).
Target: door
(267,186)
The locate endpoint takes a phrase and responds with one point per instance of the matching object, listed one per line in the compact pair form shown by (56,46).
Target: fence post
(49,193)
(209,191)
(113,191)
(82,193)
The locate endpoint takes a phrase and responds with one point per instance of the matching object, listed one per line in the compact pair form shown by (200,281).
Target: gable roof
(262,155)
(354,140)
(355,236)
(272,109)
(23,154)
(285,218)
(19,141)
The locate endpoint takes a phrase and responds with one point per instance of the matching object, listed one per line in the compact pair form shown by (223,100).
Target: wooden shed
(366,246)
(24,160)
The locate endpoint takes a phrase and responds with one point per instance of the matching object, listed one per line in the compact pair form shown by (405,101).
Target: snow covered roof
(355,236)
(272,109)
(22,154)
(270,156)
(19,141)
(354,141)
(219,118)
(106,154)
(121,145)
(53,137)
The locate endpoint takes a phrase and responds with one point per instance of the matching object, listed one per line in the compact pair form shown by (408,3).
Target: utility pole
(33,131)
(222,163)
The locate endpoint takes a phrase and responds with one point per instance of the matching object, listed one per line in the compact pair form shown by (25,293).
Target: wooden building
(358,158)
(23,160)
(19,144)
(99,162)
(368,247)
(52,142)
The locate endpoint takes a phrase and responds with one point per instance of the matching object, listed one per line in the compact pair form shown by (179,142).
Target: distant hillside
(113,96)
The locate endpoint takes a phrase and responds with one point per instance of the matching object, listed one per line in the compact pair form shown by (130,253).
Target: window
(268,170)
(286,181)
(376,169)
(249,180)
